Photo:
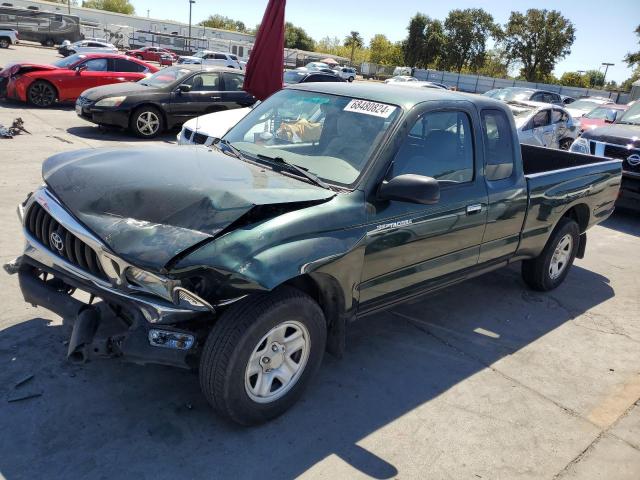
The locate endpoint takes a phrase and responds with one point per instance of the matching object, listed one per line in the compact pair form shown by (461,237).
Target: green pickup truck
(247,259)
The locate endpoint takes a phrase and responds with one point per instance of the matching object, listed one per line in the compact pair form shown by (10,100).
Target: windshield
(293,77)
(165,77)
(330,136)
(603,113)
(631,116)
(69,61)
(508,94)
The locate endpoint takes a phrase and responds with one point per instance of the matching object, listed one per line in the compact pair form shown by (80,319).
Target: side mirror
(410,188)
(80,68)
(184,88)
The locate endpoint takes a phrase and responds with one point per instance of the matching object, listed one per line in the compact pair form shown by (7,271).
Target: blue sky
(604,31)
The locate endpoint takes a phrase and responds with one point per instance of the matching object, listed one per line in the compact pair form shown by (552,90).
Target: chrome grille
(61,242)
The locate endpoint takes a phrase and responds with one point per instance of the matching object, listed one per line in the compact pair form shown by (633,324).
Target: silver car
(544,124)
(348,73)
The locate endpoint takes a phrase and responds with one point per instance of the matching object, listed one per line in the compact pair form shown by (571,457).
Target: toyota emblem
(633,160)
(56,241)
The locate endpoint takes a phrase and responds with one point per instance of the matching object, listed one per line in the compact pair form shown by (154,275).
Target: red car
(601,115)
(151,54)
(66,79)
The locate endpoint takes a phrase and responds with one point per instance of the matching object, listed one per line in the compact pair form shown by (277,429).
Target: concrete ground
(484,380)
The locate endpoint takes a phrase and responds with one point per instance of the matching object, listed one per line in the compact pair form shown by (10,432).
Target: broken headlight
(580,145)
(149,282)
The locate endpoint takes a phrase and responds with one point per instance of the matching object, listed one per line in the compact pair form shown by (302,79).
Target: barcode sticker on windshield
(370,108)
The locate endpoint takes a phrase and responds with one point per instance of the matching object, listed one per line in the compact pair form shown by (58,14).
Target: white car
(208,57)
(8,37)
(87,46)
(544,124)
(401,79)
(202,130)
(584,105)
(348,73)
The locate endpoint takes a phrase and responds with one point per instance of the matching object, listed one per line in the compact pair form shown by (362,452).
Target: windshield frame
(68,63)
(369,162)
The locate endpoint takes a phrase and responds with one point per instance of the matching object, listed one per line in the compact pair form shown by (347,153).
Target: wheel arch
(581,214)
(326,291)
(39,79)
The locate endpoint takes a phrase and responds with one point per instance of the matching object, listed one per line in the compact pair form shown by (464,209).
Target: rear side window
(233,82)
(498,145)
(96,65)
(123,65)
(220,56)
(439,145)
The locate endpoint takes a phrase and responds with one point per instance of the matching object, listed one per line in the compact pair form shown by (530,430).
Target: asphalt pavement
(486,379)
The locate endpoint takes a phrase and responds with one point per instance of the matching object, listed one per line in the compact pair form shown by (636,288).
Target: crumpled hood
(149,204)
(16,68)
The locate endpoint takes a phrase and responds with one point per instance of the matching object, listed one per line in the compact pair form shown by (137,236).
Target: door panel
(205,96)
(409,244)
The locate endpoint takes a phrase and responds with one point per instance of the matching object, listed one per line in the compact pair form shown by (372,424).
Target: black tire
(565,143)
(136,122)
(49,42)
(351,79)
(234,340)
(42,94)
(4,42)
(537,272)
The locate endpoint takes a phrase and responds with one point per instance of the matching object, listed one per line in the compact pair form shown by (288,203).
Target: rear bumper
(629,192)
(97,330)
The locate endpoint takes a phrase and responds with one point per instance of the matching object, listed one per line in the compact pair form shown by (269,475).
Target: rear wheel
(147,122)
(4,42)
(261,354)
(49,42)
(550,268)
(41,94)
(351,79)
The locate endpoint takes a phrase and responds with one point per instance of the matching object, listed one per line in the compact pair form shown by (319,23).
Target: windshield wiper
(228,149)
(302,171)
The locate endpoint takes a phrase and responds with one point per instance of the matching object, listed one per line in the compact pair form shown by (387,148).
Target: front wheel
(550,268)
(41,94)
(49,42)
(4,43)
(147,122)
(351,79)
(261,354)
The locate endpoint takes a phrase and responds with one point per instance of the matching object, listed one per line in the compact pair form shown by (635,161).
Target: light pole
(606,65)
(191,2)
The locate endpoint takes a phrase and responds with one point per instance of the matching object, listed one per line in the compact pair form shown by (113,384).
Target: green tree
(594,78)
(329,45)
(118,6)
(574,79)
(434,42)
(495,65)
(225,23)
(296,37)
(353,41)
(634,58)
(537,40)
(380,48)
(467,32)
(414,43)
(626,85)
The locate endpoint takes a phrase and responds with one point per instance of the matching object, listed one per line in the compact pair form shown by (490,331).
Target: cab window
(233,82)
(439,145)
(204,82)
(498,145)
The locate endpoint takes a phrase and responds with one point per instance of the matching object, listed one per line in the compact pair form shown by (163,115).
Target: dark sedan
(165,100)
(308,76)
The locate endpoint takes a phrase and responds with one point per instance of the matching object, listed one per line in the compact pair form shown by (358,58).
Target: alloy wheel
(277,362)
(42,94)
(148,123)
(561,257)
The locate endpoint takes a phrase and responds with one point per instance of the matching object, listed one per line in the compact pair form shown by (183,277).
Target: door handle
(473,209)
(215,98)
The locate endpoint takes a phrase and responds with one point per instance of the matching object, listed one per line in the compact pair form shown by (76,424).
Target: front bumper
(97,330)
(113,117)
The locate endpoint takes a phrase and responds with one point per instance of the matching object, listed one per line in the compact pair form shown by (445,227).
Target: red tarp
(266,63)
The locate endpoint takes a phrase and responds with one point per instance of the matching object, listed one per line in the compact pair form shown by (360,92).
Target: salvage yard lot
(483,380)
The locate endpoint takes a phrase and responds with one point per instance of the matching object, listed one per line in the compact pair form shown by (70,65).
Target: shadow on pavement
(107,419)
(624,221)
(94,132)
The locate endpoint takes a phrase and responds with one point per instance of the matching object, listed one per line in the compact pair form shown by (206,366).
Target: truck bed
(540,159)
(558,181)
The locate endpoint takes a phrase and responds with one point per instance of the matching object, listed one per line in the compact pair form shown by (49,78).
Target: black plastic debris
(16,128)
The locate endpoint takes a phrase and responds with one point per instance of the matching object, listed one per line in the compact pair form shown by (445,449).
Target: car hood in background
(21,68)
(615,133)
(218,123)
(150,204)
(124,88)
